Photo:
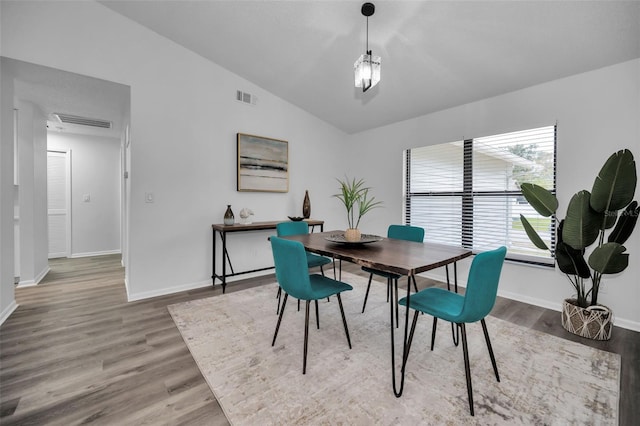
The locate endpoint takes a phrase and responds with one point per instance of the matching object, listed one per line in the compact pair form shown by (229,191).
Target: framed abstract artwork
(263,164)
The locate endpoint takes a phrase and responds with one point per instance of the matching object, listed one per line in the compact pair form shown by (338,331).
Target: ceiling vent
(246,98)
(83,121)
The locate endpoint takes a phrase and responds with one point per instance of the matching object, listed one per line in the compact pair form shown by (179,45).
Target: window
(467,193)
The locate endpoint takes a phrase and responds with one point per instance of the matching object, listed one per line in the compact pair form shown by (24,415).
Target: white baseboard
(132,297)
(36,280)
(8,311)
(95,253)
(554,306)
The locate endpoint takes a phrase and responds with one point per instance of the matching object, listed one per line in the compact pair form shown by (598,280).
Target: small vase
(352,235)
(229,218)
(306,206)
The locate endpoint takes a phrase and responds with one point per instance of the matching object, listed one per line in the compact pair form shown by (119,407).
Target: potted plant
(605,216)
(357,201)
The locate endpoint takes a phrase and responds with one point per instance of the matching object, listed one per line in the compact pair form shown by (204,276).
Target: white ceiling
(435,54)
(57,91)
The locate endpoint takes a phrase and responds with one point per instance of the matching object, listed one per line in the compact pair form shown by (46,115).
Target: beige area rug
(545,380)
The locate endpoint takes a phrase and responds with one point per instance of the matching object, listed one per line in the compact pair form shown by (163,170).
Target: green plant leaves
(582,223)
(609,258)
(615,185)
(355,197)
(541,199)
(569,260)
(626,224)
(533,234)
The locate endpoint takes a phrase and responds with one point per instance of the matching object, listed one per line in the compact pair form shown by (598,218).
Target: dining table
(400,257)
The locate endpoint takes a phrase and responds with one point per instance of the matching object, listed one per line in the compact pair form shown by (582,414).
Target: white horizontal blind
(467,193)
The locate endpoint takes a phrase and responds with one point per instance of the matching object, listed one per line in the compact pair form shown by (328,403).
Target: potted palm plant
(357,201)
(606,217)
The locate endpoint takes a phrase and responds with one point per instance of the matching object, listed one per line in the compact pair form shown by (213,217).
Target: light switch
(86,198)
(148,197)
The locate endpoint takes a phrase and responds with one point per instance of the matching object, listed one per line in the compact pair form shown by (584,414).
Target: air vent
(83,121)
(246,98)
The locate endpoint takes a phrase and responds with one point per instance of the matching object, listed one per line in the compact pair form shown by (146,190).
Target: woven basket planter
(594,322)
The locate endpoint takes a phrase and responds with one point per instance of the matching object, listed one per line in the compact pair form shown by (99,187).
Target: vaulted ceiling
(435,54)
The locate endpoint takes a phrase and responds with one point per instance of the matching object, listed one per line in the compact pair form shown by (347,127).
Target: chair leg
(306,337)
(279,296)
(317,316)
(344,320)
(284,302)
(433,331)
(493,359)
(467,369)
(364,305)
(298,305)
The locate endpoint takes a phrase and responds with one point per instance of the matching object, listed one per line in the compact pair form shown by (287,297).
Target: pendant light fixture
(367,67)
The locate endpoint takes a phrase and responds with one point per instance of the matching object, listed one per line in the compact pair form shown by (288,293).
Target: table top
(256,226)
(391,255)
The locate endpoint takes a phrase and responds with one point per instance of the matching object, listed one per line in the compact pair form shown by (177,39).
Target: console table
(223,230)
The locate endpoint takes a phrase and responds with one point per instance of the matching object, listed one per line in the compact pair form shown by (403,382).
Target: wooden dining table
(401,257)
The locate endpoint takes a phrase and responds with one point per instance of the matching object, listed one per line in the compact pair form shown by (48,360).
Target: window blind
(467,193)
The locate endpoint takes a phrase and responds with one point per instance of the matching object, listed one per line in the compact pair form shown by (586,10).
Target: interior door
(58,180)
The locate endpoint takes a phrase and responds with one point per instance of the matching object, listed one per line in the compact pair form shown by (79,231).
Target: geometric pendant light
(366,69)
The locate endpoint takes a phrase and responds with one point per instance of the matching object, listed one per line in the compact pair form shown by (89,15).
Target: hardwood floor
(76,352)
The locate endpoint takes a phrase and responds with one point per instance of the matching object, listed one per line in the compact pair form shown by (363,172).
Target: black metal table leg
(398,393)
(455,332)
(213,259)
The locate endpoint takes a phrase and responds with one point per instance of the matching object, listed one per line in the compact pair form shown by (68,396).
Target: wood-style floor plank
(76,352)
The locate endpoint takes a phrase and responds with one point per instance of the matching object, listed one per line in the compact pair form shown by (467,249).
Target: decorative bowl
(295,218)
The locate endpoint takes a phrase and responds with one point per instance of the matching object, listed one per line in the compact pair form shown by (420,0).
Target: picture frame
(263,164)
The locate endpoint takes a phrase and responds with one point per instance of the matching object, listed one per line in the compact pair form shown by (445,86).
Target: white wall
(597,114)
(95,171)
(7,287)
(184,119)
(32,193)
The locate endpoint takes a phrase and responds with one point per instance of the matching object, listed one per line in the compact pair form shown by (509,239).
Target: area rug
(545,380)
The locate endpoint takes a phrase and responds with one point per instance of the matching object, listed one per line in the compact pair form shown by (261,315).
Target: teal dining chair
(293,277)
(284,229)
(473,306)
(399,232)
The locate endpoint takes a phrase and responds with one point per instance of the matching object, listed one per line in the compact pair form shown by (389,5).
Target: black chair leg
(284,302)
(415,286)
(344,320)
(433,331)
(279,295)
(317,316)
(306,337)
(364,305)
(298,305)
(467,369)
(493,359)
(322,272)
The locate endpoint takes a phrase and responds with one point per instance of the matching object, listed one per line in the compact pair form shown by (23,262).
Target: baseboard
(36,280)
(554,306)
(95,253)
(132,297)
(8,311)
